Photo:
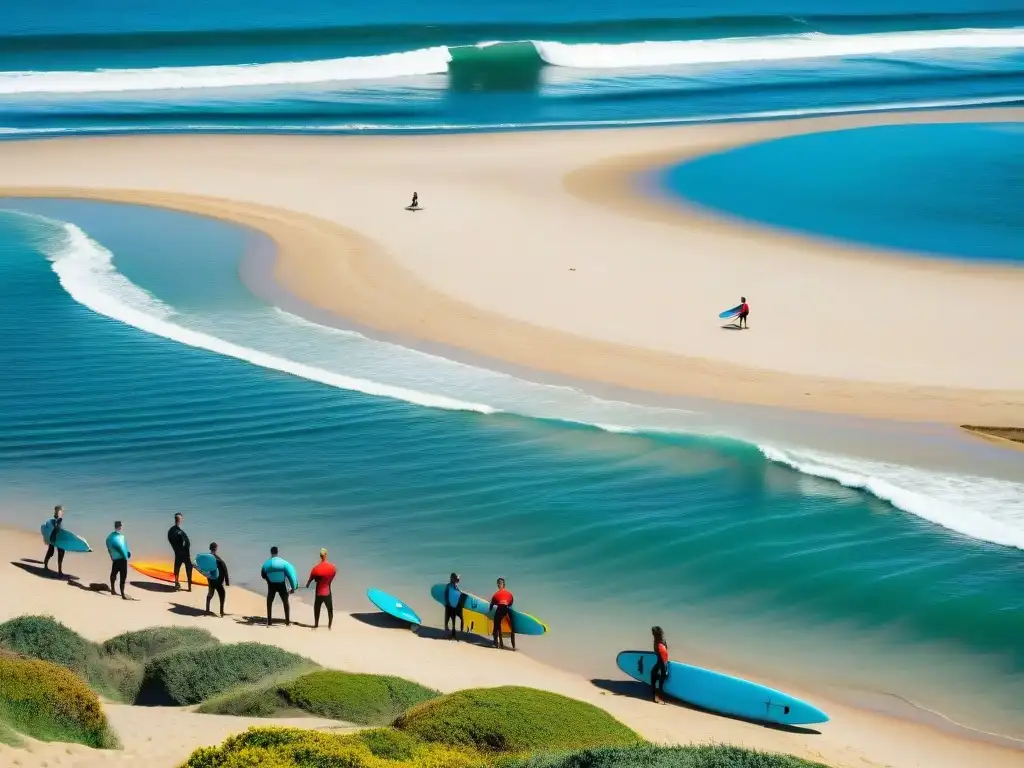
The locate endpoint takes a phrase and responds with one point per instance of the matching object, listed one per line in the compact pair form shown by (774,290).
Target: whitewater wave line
(494,54)
(981,508)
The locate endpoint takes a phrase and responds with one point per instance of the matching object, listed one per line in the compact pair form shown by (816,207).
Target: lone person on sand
(415,201)
(744,311)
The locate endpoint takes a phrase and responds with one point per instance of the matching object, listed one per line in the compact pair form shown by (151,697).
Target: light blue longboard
(392,606)
(524,623)
(723,693)
(66,540)
(730,312)
(206,564)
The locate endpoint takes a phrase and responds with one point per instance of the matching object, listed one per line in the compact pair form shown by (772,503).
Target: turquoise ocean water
(149,366)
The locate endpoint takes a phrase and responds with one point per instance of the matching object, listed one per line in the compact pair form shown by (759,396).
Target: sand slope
(363,643)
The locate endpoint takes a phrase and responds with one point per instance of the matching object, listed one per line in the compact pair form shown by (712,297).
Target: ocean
(150,366)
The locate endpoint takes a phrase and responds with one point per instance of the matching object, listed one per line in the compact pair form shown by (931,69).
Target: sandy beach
(361,643)
(545,252)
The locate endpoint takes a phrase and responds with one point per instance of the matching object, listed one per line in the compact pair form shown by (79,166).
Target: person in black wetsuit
(182,554)
(58,521)
(217,585)
(454,601)
(659,672)
(415,201)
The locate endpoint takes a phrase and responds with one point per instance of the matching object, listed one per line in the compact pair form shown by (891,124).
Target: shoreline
(372,287)
(854,736)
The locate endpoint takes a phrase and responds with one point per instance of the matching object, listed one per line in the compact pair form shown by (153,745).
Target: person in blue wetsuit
(117,548)
(281,580)
(454,601)
(58,521)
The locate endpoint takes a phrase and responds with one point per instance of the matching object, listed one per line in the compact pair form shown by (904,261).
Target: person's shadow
(636,690)
(35,568)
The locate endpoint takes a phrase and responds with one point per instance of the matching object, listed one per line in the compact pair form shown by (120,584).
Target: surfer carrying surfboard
(501,602)
(218,582)
(454,602)
(659,672)
(744,311)
(58,521)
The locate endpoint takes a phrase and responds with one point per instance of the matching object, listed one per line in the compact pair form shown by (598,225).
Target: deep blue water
(954,190)
(386,66)
(141,378)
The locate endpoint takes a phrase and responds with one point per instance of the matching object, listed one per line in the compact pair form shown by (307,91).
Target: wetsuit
(454,602)
(500,604)
(744,311)
(117,548)
(217,585)
(57,523)
(323,574)
(182,554)
(279,575)
(659,672)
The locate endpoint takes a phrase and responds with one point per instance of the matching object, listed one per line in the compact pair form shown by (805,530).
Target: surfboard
(730,312)
(392,606)
(165,572)
(723,693)
(66,540)
(525,624)
(206,564)
(482,624)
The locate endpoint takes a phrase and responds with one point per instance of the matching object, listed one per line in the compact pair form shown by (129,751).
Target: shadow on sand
(151,586)
(30,566)
(635,690)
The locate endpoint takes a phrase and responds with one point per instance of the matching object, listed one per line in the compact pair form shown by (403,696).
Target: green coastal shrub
(144,644)
(44,638)
(49,702)
(650,756)
(297,748)
(263,698)
(191,675)
(363,699)
(513,719)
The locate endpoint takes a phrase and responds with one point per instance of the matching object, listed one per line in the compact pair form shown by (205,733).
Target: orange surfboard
(165,572)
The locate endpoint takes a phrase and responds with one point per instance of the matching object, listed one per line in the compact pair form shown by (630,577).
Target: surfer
(454,601)
(217,585)
(182,555)
(323,574)
(117,548)
(501,602)
(744,311)
(659,672)
(58,521)
(280,576)
(415,201)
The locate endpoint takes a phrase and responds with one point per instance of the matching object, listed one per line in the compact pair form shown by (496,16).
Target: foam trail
(424,61)
(87,273)
(982,508)
(812,45)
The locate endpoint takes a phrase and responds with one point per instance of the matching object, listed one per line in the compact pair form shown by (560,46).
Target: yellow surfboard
(481,624)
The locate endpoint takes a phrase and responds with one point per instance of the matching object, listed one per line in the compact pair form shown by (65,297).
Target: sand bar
(853,739)
(544,251)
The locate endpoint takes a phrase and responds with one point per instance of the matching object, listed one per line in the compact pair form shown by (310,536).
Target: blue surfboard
(730,312)
(723,693)
(524,623)
(207,565)
(66,540)
(392,606)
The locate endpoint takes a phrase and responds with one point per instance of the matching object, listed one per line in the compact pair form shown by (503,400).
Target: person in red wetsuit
(659,672)
(323,574)
(501,602)
(744,311)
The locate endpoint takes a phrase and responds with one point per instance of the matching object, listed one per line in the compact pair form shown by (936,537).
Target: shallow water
(142,378)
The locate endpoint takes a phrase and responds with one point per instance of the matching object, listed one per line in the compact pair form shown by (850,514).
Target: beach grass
(49,702)
(298,748)
(515,720)
(146,644)
(652,756)
(344,696)
(192,675)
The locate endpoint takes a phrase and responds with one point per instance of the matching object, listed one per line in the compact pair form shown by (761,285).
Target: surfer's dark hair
(58,508)
(454,577)
(117,523)
(273,550)
(659,635)
(213,546)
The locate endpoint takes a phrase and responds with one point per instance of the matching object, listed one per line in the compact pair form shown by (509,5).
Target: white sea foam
(87,273)
(435,60)
(979,507)
(812,45)
(983,508)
